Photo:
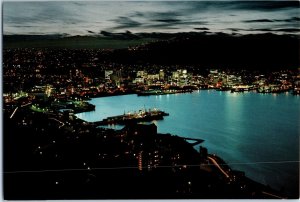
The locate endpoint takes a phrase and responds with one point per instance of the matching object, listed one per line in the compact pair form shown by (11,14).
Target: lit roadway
(14,112)
(18,108)
(218,166)
(29,103)
(62,123)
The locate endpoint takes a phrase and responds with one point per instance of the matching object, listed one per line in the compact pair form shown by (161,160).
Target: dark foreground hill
(48,156)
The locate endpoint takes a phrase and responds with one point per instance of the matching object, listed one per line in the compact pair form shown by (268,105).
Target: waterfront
(255,133)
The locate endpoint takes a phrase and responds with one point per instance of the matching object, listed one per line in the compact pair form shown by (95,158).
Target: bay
(254,133)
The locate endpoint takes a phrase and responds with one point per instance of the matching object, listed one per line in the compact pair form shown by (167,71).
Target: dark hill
(218,50)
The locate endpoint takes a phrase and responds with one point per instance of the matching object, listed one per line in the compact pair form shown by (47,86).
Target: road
(62,123)
(218,166)
(12,115)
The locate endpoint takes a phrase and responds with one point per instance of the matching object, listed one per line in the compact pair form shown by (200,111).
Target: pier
(197,141)
(163,92)
(141,115)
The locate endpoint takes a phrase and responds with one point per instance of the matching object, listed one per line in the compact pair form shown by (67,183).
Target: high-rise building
(140,161)
(161,74)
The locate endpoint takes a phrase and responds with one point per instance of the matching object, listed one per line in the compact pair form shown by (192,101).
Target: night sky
(90,18)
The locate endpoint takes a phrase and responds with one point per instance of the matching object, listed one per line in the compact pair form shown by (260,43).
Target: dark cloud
(165,20)
(175,19)
(216,6)
(161,25)
(89,31)
(168,20)
(293,19)
(23,26)
(262,30)
(163,15)
(126,22)
(258,20)
(288,30)
(266,5)
(176,24)
(195,22)
(235,29)
(267,30)
(201,28)
(153,19)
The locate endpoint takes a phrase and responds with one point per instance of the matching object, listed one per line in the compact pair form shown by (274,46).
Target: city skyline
(91,18)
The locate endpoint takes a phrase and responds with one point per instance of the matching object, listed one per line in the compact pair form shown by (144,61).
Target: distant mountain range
(204,48)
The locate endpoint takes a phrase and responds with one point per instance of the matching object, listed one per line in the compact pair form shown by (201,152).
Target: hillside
(202,48)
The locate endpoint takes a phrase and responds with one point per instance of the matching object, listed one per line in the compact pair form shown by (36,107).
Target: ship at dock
(134,117)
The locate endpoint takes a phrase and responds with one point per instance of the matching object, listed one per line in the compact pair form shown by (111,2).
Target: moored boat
(141,115)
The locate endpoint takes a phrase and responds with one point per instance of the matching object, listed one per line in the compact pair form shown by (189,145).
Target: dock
(197,140)
(140,116)
(163,92)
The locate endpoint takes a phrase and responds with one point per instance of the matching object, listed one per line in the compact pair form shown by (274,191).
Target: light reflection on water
(240,127)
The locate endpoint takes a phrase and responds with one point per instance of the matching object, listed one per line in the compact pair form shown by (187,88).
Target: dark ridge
(200,48)
(219,50)
(8,38)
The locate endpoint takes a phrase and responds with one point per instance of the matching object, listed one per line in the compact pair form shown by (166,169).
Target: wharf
(141,115)
(163,92)
(197,140)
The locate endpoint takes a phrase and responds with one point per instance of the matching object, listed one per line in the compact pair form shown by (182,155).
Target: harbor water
(254,133)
